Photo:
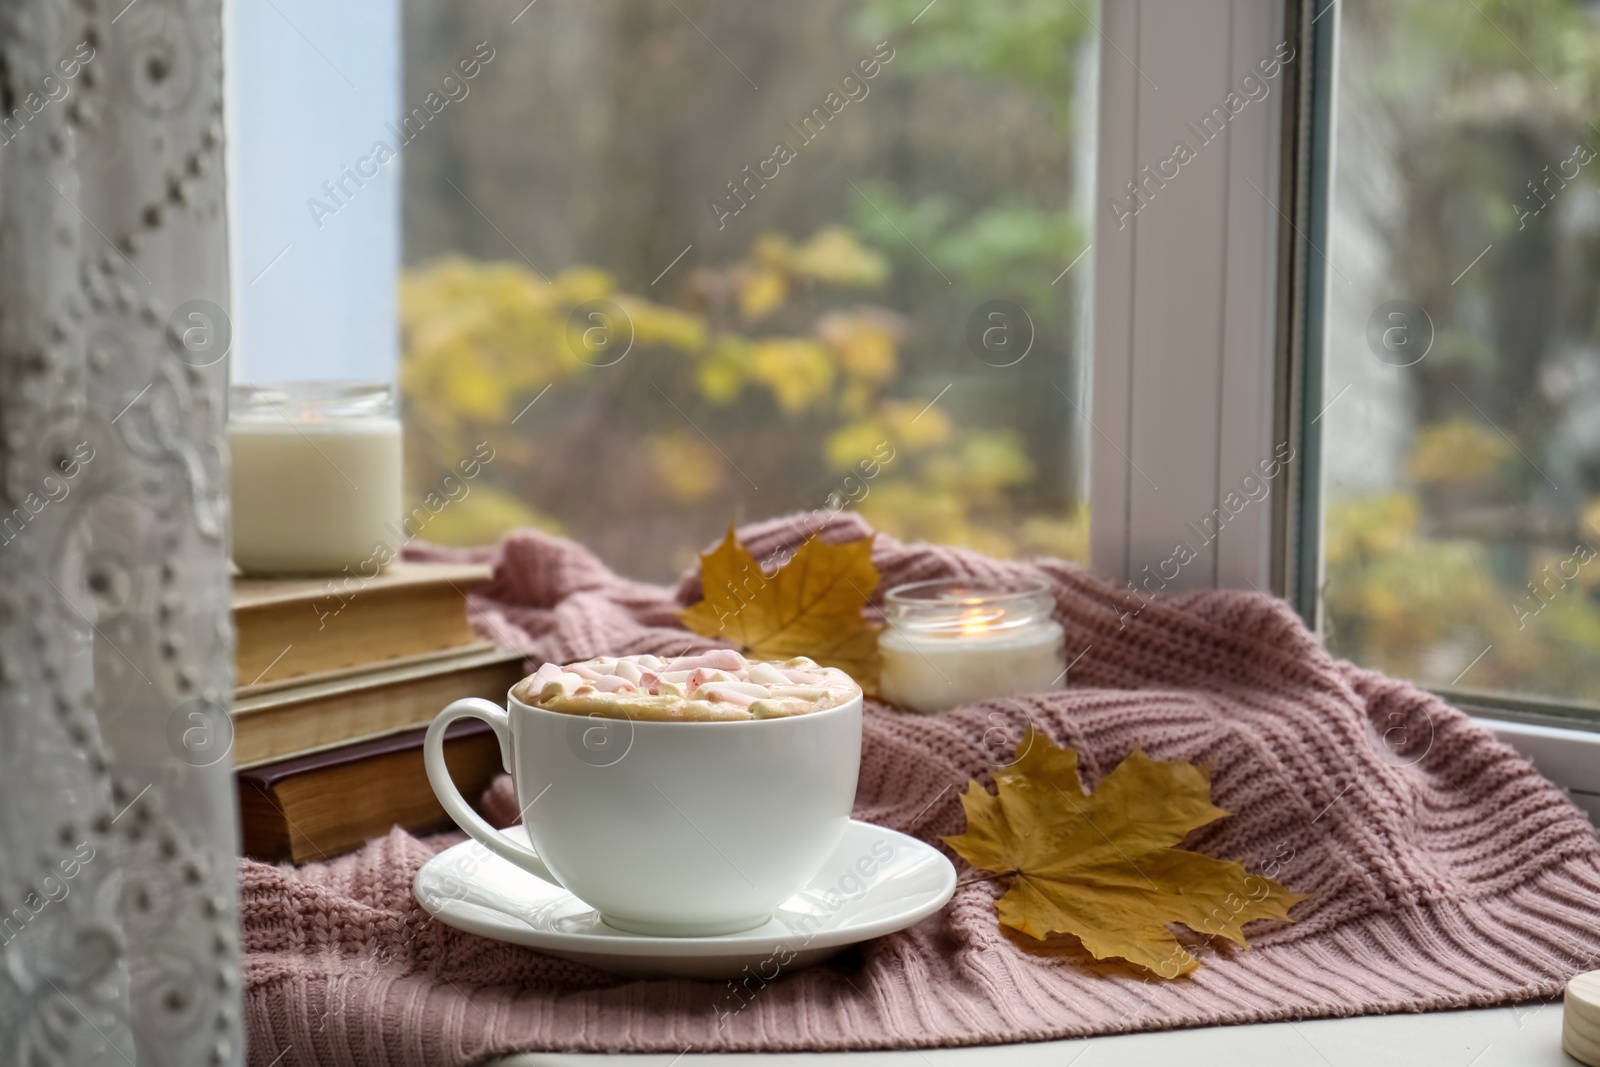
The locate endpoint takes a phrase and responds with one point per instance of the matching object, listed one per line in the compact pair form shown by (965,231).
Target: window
(682,263)
(1461,405)
(659,320)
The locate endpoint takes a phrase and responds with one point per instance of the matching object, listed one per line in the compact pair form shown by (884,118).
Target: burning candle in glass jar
(949,643)
(315,475)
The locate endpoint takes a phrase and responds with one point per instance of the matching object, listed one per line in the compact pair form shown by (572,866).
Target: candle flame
(976,621)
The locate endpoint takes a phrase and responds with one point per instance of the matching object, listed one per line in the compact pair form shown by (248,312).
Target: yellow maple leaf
(1103,866)
(810,607)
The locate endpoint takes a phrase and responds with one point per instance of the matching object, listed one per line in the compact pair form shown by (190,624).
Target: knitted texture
(1443,871)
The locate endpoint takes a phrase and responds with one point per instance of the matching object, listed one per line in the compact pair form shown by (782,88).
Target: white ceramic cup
(677,829)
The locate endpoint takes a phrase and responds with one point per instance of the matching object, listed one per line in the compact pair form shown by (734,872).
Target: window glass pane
(1462,427)
(684,262)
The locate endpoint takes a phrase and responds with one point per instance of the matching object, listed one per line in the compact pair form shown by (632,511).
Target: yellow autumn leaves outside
(1407,598)
(792,320)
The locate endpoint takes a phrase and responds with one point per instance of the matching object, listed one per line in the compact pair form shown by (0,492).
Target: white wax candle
(934,672)
(313,497)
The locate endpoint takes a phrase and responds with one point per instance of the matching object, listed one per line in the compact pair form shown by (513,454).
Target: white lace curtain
(118,915)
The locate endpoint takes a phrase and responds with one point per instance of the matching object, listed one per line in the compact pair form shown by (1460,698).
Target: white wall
(311,87)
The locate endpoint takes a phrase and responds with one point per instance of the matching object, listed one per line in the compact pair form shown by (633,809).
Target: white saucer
(876,882)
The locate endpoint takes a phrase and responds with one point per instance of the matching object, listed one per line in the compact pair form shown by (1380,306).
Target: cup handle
(445,788)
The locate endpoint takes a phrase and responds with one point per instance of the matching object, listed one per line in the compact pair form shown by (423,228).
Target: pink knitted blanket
(1443,870)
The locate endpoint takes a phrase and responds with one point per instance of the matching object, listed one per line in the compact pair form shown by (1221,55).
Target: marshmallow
(718,685)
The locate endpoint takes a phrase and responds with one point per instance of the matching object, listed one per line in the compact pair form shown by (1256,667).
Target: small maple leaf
(810,607)
(1103,866)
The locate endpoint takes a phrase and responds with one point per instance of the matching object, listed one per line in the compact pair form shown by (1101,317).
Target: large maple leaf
(1103,866)
(810,607)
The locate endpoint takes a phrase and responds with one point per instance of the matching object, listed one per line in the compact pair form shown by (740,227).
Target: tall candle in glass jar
(315,475)
(948,643)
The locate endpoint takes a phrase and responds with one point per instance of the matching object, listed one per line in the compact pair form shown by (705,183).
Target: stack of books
(338,681)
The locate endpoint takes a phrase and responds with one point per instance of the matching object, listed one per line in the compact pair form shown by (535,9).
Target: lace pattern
(118,910)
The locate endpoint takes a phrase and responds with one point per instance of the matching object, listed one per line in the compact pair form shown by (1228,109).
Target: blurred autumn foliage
(809,353)
(775,358)
(788,368)
(1463,493)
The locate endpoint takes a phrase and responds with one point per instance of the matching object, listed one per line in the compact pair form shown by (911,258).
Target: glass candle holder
(949,643)
(315,476)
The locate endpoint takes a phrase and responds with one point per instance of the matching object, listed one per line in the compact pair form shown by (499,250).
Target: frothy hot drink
(720,685)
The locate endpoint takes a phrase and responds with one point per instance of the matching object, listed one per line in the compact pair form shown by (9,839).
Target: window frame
(1139,435)
(1165,334)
